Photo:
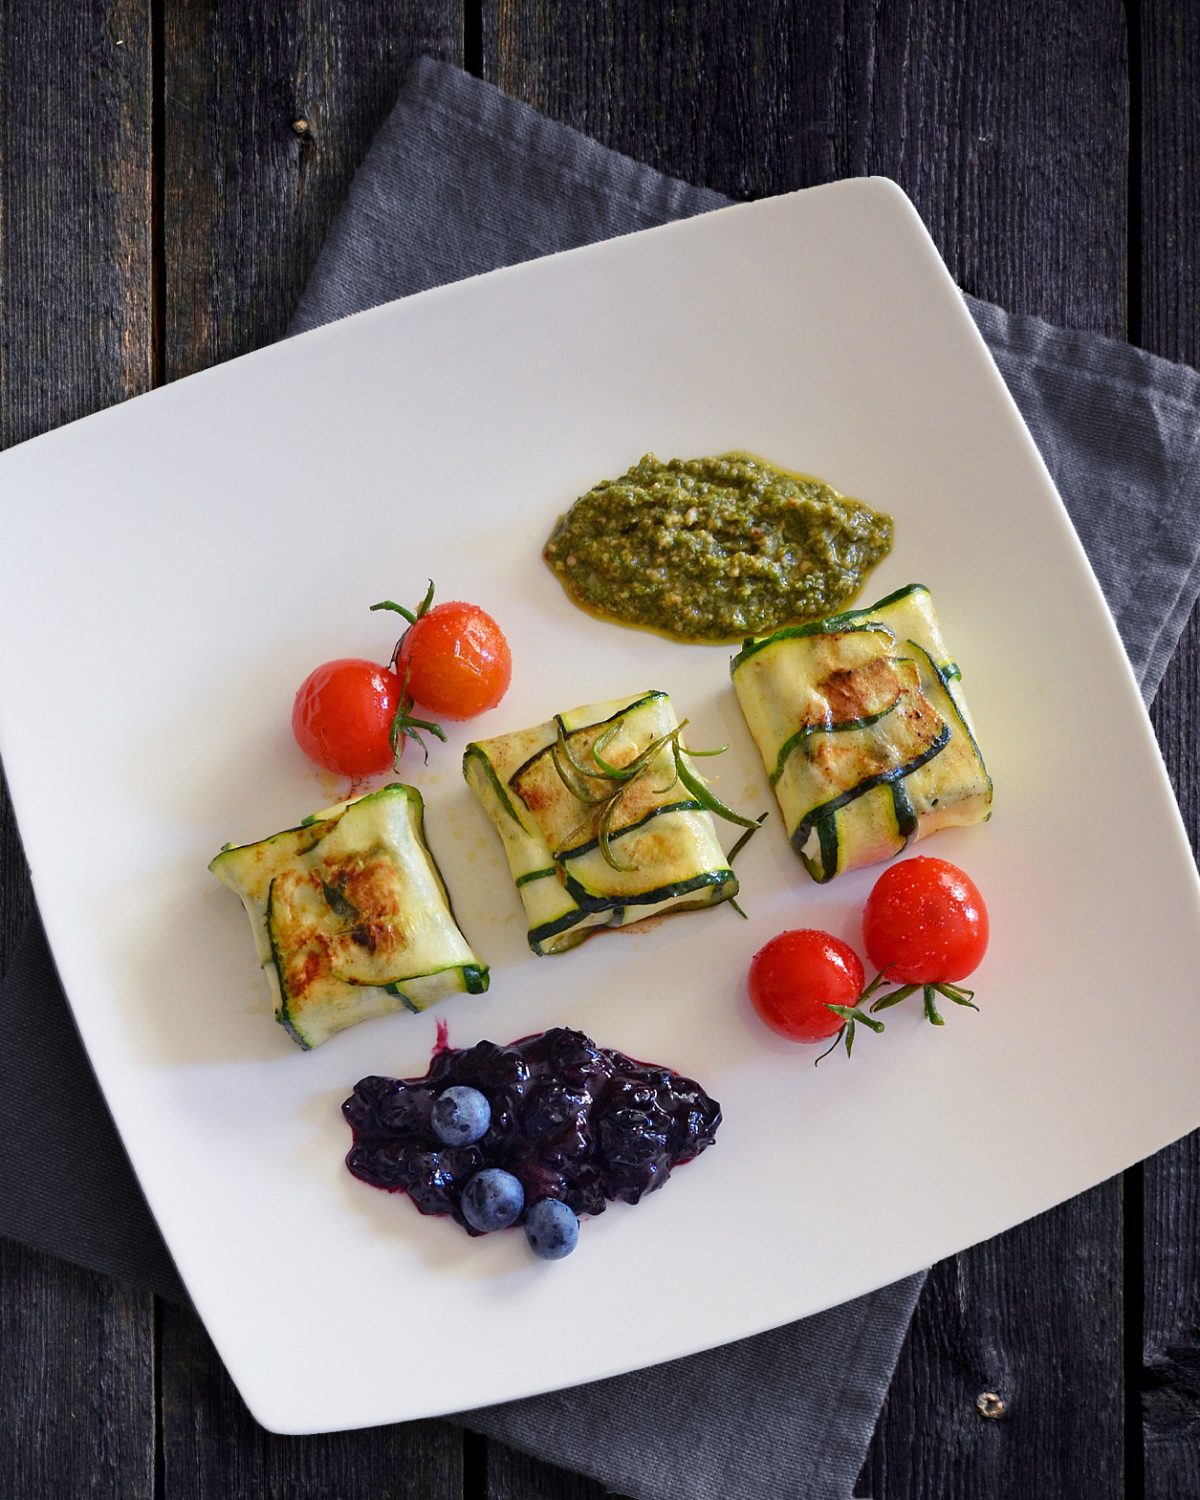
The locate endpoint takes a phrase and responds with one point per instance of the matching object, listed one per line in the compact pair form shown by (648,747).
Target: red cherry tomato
(342,716)
(925,922)
(457,660)
(797,976)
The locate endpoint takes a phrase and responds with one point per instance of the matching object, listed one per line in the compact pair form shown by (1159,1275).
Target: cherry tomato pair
(352,716)
(925,926)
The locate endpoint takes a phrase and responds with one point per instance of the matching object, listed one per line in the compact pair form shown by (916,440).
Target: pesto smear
(713,549)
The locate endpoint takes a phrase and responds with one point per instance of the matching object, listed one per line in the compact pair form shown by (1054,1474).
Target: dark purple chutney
(569,1119)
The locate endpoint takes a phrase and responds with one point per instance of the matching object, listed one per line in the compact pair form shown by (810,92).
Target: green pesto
(713,549)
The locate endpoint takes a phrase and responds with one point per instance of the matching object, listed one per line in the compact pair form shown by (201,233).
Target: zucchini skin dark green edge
(687,805)
(285,1016)
(944,675)
(312,823)
(806,732)
(850,619)
(476,977)
(586,903)
(590,905)
(474,752)
(822,818)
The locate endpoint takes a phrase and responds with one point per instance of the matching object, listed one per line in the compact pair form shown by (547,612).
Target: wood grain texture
(1035,1318)
(77,1379)
(1011,139)
(249,193)
(76,1383)
(1169,201)
(75,252)
(211,1446)
(1008,134)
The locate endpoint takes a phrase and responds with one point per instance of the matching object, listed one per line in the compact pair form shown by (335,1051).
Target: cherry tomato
(797,976)
(457,660)
(925,922)
(342,716)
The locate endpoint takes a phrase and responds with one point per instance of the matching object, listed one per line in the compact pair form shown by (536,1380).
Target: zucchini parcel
(598,820)
(864,732)
(350,915)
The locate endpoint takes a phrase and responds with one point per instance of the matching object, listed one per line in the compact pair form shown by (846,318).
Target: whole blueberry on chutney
(569,1121)
(460,1116)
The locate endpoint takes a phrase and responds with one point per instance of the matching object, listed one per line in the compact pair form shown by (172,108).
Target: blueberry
(460,1116)
(551,1229)
(493,1199)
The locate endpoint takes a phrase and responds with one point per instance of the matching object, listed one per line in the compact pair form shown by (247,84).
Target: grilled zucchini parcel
(350,916)
(864,732)
(598,826)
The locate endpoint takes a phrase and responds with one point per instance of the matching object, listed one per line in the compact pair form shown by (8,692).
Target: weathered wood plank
(77,1377)
(1011,140)
(1034,1318)
(269,109)
(76,1382)
(212,1446)
(1169,200)
(247,199)
(75,253)
(74,210)
(736,98)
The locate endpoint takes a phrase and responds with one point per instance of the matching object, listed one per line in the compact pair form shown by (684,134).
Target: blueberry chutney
(570,1120)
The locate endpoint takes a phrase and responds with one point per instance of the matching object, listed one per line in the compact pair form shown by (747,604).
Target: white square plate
(170,571)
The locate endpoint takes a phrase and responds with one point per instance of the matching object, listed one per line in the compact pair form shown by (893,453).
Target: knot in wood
(300,126)
(990,1405)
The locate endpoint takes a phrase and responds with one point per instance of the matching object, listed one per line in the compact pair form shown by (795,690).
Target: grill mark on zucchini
(828,809)
(806,731)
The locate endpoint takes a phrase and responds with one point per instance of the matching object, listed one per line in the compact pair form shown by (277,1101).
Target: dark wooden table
(167,173)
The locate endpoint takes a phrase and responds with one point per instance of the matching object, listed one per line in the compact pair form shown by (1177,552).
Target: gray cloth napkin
(459,181)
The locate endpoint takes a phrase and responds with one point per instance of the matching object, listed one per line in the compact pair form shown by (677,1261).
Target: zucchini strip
(806,732)
(818,815)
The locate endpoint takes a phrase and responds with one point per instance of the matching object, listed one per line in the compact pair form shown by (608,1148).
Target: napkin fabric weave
(462,180)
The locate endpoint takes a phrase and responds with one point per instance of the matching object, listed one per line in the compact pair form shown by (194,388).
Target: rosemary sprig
(602,785)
